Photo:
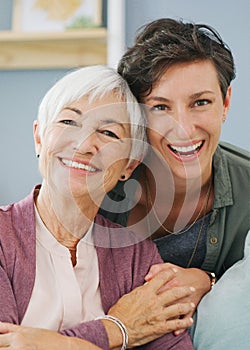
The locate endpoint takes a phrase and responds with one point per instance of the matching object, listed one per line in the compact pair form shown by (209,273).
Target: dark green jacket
(230,219)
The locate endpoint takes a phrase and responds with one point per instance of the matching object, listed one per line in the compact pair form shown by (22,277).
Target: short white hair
(95,82)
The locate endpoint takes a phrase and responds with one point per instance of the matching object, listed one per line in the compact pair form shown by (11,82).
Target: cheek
(154,137)
(114,152)
(215,122)
(45,162)
(113,173)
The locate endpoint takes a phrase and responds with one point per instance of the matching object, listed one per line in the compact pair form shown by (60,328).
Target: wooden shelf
(75,48)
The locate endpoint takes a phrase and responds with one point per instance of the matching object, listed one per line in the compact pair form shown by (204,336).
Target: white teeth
(187,149)
(77,165)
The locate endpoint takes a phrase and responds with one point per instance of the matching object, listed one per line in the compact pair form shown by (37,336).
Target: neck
(177,202)
(67,219)
(165,181)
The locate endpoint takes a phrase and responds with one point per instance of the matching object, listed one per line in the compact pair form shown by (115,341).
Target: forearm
(18,337)
(93,331)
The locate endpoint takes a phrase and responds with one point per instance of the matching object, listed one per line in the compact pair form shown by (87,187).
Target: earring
(38,155)
(123,177)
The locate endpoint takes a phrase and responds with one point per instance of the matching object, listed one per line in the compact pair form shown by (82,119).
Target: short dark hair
(166,42)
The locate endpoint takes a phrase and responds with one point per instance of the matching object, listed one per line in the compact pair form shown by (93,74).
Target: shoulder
(17,219)
(125,245)
(231,163)
(120,236)
(235,154)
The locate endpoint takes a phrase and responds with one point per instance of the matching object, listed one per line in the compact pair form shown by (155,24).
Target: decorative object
(56,15)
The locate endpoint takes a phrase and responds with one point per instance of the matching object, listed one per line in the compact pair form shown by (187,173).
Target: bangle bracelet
(212,277)
(121,326)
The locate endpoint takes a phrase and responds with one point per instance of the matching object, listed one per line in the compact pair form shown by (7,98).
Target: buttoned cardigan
(123,262)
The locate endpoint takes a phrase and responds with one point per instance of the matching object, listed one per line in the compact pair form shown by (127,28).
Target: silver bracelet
(121,326)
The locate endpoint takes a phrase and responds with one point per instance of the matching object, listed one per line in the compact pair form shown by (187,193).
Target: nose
(88,143)
(183,124)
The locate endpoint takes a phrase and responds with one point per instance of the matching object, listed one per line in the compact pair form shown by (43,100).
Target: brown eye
(201,103)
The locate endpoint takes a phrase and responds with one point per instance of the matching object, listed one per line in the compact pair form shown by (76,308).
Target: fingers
(7,327)
(178,311)
(179,325)
(171,320)
(175,294)
(155,269)
(187,317)
(162,278)
(4,341)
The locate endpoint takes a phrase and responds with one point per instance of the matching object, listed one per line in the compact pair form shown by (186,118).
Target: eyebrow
(105,121)
(76,110)
(193,96)
(198,94)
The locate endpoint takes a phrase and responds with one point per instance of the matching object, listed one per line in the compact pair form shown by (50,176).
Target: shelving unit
(72,48)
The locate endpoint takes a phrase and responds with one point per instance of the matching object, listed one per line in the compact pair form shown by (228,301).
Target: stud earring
(38,155)
(123,177)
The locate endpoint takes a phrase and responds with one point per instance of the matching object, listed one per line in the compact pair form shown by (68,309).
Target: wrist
(116,331)
(212,278)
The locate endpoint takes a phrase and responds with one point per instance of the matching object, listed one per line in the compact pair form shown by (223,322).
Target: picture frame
(56,16)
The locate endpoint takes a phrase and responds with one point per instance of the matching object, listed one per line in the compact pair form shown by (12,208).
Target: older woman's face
(87,147)
(185,114)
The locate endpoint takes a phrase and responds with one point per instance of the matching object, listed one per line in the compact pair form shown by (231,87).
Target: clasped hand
(162,305)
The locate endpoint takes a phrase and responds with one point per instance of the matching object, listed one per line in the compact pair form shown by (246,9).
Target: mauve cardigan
(120,271)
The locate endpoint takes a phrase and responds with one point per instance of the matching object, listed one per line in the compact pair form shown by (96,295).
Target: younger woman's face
(185,114)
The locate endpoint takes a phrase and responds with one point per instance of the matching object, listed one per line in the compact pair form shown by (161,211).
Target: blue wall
(21,91)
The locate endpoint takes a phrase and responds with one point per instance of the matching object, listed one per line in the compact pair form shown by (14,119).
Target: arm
(146,314)
(142,309)
(18,337)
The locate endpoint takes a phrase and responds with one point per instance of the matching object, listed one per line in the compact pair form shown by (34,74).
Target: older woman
(63,266)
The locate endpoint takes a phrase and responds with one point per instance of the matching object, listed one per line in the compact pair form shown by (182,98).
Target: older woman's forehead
(107,106)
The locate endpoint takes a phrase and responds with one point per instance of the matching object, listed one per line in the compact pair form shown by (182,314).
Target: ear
(129,170)
(37,138)
(227,103)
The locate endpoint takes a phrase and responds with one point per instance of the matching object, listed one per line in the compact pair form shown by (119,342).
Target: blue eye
(109,134)
(68,122)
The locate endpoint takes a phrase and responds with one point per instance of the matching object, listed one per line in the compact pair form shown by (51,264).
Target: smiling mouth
(187,151)
(76,165)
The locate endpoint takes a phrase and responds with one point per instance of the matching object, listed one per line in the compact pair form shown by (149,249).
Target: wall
(20,94)
(21,91)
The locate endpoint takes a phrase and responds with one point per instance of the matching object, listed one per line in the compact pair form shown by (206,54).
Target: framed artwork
(56,15)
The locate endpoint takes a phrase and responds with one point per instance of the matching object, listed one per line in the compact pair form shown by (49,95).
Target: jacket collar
(222,183)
